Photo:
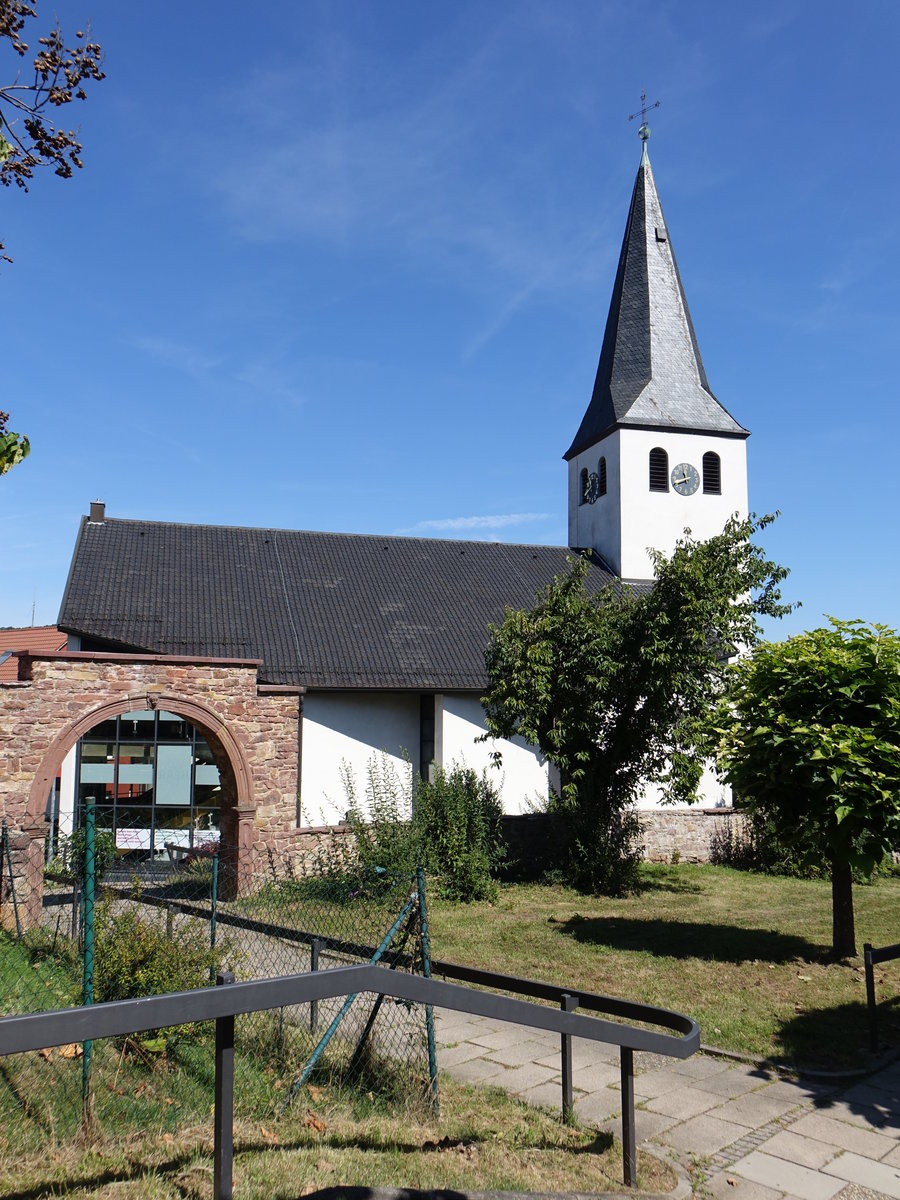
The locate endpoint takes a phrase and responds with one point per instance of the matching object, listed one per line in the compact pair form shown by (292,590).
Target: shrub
(449,824)
(69,861)
(133,957)
(457,815)
(385,837)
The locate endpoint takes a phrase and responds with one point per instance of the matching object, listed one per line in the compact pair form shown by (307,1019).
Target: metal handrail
(871,956)
(34,1031)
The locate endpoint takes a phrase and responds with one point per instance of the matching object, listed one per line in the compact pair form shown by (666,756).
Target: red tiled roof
(39,638)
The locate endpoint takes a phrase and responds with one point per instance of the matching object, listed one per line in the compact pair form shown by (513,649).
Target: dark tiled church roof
(325,610)
(650,373)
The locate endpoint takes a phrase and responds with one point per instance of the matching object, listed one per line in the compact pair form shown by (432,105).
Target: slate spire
(650,374)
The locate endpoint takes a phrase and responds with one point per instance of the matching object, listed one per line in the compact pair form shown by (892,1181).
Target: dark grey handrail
(34,1031)
(871,956)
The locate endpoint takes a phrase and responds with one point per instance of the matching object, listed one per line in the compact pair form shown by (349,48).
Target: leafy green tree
(31,135)
(13,446)
(809,736)
(615,687)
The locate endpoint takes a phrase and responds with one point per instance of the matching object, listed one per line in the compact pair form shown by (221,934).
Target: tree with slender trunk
(809,737)
(615,686)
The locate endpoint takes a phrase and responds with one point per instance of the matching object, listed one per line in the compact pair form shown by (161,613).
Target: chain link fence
(171,922)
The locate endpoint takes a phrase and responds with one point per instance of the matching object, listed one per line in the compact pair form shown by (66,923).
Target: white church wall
(658,519)
(711,793)
(342,727)
(523,778)
(597,525)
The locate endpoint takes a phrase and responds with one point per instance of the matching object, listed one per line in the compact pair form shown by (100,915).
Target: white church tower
(656,452)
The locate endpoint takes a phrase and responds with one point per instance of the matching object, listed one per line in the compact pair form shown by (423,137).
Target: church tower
(655,452)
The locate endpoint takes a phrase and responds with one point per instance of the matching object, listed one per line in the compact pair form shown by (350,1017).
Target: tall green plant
(457,814)
(381,818)
(450,825)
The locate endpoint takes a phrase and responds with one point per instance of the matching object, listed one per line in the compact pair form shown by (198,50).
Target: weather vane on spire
(644,131)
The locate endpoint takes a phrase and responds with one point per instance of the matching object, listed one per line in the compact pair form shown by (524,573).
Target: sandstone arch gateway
(252,729)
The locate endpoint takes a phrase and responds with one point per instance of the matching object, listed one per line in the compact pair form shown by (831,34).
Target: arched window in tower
(601,476)
(659,470)
(712,473)
(583,487)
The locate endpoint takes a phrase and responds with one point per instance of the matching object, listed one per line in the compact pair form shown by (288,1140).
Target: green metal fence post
(213,904)
(4,853)
(426,971)
(89,872)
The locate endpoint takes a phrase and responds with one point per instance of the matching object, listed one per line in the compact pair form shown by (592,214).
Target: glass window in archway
(154,782)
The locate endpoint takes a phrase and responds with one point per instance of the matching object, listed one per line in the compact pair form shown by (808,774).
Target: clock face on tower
(685,479)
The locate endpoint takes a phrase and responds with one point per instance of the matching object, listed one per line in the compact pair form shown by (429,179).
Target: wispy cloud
(191,360)
(413,169)
(475,524)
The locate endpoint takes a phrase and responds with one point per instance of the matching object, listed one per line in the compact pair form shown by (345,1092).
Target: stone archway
(251,731)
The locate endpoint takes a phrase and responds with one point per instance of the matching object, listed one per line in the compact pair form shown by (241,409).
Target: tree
(615,688)
(30,136)
(13,446)
(809,736)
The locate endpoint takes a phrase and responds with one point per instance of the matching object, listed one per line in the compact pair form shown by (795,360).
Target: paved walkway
(751,1134)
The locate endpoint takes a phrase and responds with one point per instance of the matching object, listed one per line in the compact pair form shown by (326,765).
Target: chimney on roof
(98,512)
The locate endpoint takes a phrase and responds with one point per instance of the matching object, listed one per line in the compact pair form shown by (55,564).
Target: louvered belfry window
(582,495)
(601,477)
(659,470)
(712,473)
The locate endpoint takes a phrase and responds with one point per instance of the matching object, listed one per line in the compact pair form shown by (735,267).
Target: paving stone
(450,1056)
(798,1090)
(857,1114)
(544,1095)
(519,1079)
(477,1070)
(460,1031)
(587,1054)
(855,1191)
(753,1110)
(786,1177)
(844,1135)
(594,1077)
(894,1157)
(647,1125)
(888,1079)
(725,1186)
(656,1083)
(495,1039)
(684,1103)
(698,1066)
(733,1083)
(598,1106)
(522,1052)
(806,1151)
(702,1135)
(882,1177)
(885,1103)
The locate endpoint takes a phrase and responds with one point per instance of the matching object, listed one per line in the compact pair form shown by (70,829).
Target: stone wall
(669,834)
(687,834)
(252,731)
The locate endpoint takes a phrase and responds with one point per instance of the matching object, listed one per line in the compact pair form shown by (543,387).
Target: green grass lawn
(746,955)
(482,1140)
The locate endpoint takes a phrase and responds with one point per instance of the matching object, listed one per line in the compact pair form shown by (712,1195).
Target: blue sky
(346,266)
